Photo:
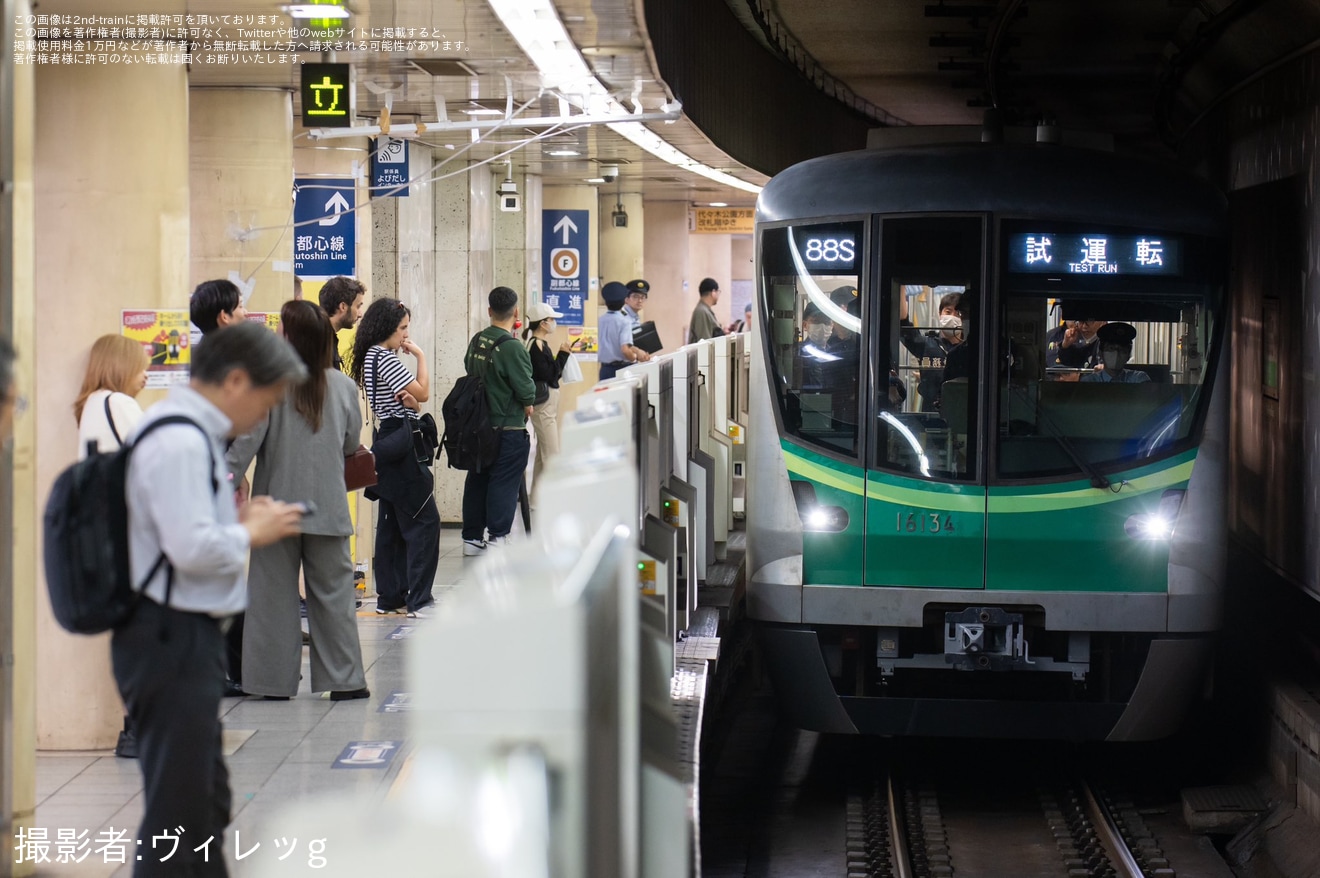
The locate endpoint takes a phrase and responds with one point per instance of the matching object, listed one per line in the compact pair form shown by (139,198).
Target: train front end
(986,461)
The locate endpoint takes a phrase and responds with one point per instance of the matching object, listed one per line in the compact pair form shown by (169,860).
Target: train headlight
(815,517)
(1157,525)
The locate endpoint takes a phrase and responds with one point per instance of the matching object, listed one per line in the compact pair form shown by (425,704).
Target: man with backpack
(490,494)
(188,550)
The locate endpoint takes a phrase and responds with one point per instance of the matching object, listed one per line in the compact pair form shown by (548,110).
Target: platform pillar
(111,232)
(241,178)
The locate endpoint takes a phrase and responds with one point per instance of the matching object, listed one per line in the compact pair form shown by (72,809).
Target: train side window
(813,329)
(926,407)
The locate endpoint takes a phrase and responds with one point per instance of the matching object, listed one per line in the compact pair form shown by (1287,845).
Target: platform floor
(277,751)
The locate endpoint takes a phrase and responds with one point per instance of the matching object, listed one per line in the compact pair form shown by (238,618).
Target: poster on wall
(583,341)
(167,338)
(270,318)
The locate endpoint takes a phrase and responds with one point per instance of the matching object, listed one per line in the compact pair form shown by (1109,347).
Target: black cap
(613,292)
(1116,333)
(638,286)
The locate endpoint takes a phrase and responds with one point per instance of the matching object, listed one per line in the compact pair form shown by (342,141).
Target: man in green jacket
(490,497)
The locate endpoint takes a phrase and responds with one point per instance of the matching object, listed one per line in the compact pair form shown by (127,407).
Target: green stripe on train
(954,497)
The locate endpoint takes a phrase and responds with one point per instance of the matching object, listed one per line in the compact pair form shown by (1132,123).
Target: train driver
(1115,346)
(932,348)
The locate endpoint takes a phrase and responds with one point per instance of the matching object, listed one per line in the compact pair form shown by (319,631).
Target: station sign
(565,272)
(325,227)
(723,220)
(389,167)
(327,95)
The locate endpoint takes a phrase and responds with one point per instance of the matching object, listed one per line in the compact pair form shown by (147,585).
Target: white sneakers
(479,547)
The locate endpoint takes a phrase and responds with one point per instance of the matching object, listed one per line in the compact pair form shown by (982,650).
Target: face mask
(950,324)
(1114,360)
(818,333)
(548,325)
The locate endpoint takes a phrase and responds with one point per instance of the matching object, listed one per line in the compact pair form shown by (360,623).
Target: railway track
(919,829)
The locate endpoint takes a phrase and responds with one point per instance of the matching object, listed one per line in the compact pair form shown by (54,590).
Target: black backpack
(86,540)
(470,442)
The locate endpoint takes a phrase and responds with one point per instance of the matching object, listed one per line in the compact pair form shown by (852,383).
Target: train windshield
(810,282)
(1099,383)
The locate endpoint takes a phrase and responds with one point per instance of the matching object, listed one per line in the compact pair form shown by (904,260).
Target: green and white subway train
(986,462)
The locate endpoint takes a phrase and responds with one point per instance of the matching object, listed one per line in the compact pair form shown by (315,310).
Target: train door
(925,496)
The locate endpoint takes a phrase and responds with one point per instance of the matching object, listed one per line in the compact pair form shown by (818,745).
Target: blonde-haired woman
(107,413)
(106,409)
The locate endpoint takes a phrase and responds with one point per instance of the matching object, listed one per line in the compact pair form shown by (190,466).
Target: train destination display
(1046,253)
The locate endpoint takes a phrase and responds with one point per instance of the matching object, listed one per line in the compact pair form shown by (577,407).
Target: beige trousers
(545,420)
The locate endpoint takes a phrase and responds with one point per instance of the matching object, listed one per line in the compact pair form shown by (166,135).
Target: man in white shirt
(188,546)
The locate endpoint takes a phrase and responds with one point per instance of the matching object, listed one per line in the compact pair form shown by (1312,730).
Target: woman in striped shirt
(407,521)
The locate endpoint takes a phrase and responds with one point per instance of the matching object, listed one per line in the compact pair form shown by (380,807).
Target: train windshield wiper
(1098,479)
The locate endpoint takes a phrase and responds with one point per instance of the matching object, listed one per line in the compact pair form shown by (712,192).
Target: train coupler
(985,639)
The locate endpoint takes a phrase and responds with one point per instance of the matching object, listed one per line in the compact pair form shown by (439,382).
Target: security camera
(509,200)
(610,173)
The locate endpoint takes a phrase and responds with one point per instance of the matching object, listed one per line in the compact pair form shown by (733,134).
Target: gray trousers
(272,634)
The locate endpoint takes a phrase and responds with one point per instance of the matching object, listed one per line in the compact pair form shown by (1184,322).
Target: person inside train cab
(1074,345)
(932,348)
(817,330)
(616,350)
(1115,347)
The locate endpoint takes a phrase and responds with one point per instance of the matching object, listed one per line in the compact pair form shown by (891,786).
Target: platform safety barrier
(543,694)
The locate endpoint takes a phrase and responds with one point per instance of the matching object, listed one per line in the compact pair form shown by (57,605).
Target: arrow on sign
(338,204)
(566,224)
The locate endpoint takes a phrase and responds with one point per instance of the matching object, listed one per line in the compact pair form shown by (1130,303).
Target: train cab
(991,403)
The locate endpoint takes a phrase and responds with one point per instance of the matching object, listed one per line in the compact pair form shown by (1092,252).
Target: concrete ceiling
(1090,64)
(481,69)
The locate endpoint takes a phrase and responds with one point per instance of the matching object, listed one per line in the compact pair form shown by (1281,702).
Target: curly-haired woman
(407,522)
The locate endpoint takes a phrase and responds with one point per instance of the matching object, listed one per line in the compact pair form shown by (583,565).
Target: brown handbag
(360,469)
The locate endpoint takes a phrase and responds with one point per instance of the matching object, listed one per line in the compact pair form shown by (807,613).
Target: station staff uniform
(635,286)
(615,331)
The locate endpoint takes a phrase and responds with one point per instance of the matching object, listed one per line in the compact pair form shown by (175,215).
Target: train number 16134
(922,522)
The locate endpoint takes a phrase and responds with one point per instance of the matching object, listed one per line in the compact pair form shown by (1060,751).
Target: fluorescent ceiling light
(313,10)
(562,152)
(719,204)
(536,27)
(595,179)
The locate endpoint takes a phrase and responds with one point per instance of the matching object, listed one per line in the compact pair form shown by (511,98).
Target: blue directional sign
(325,227)
(389,167)
(566,271)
